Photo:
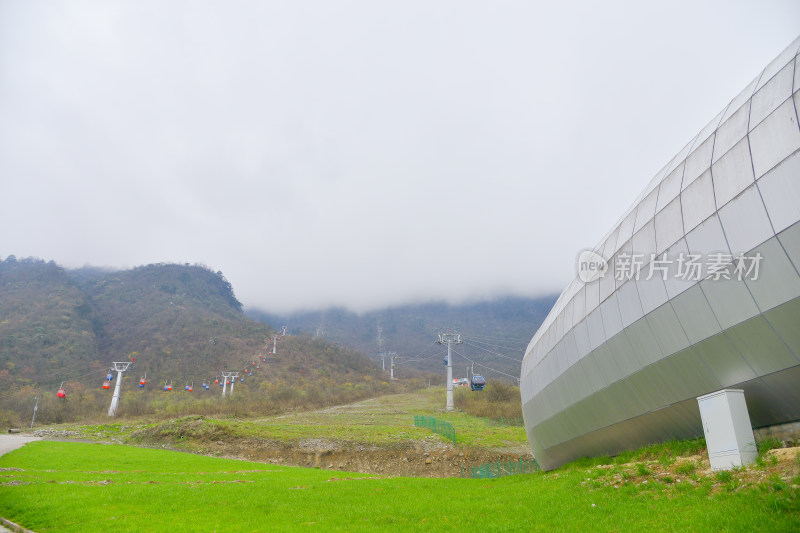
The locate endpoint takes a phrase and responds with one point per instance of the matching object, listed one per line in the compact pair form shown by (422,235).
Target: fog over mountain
(355,154)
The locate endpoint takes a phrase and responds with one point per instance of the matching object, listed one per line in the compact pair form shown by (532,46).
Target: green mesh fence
(503,468)
(441,427)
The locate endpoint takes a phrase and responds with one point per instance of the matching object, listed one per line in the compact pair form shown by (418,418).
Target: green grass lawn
(66,486)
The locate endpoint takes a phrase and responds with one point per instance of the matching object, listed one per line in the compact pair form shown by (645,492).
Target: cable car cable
(523,342)
(495,353)
(512,348)
(484,366)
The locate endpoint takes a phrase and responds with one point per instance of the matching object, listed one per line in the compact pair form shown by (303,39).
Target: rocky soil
(778,466)
(427,458)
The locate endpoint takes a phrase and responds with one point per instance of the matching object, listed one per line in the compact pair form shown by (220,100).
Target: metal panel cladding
(695,289)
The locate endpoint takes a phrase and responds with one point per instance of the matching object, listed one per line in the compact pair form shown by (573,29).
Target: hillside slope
(495,333)
(46,321)
(168,316)
(180,324)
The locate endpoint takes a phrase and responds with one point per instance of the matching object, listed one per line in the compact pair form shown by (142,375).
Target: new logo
(591,266)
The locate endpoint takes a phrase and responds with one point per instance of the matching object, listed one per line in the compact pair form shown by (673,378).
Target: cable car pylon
(449,339)
(119,368)
(229,377)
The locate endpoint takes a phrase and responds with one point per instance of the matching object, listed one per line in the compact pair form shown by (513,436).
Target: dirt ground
(428,458)
(781,464)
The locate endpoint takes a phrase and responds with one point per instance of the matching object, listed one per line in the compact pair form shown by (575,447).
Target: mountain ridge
(164,316)
(180,326)
(504,326)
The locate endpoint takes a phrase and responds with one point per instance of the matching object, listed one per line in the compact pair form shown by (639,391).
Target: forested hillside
(179,324)
(46,322)
(169,317)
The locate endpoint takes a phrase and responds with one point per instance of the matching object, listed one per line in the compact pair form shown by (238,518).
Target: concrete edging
(14,527)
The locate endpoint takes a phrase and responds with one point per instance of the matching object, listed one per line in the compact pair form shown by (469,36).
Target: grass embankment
(385,421)
(57,486)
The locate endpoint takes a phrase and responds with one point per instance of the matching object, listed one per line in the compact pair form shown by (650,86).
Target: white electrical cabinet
(726,424)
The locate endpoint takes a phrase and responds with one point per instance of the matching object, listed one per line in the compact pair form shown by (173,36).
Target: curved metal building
(696,289)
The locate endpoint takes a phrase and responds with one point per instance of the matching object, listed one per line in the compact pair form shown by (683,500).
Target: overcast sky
(357,153)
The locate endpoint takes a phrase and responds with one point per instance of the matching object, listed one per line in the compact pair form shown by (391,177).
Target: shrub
(498,400)
(768,444)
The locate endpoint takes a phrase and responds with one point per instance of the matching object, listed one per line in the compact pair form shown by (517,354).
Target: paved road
(9,443)
(12,442)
